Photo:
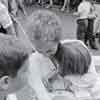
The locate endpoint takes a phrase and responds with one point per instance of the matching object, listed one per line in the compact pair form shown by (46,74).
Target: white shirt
(35,75)
(84,9)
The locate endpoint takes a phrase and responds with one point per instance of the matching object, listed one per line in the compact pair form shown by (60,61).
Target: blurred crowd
(64,4)
(68,5)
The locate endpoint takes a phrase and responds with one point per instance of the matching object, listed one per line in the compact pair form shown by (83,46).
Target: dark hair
(13,52)
(73,58)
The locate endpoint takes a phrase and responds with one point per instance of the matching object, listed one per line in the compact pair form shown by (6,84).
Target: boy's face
(9,85)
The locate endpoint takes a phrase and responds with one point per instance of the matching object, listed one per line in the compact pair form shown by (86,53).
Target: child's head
(47,30)
(74,58)
(13,64)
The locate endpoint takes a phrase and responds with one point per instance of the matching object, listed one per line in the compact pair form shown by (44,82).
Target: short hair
(13,53)
(45,25)
(73,58)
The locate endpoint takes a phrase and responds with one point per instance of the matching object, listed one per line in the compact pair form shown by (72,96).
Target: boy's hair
(73,58)
(45,25)
(13,53)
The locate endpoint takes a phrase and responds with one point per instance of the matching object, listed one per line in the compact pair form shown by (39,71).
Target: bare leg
(39,1)
(51,4)
(13,7)
(97,26)
(21,6)
(66,3)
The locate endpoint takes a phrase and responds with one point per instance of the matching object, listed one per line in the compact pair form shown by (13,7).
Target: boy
(16,68)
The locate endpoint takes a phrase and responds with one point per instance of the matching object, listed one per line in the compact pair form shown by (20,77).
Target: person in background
(91,35)
(9,24)
(83,22)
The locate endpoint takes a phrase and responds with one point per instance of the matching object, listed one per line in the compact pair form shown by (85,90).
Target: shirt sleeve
(5,19)
(35,79)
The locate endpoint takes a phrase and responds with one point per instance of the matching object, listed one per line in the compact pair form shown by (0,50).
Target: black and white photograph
(49,49)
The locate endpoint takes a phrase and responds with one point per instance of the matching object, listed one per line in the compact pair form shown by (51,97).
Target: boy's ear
(4,82)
